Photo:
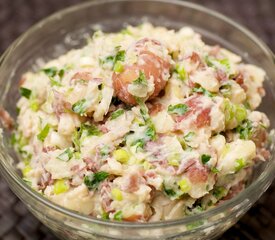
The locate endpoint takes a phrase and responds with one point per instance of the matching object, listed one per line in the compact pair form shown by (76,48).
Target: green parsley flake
(240,164)
(116,114)
(245,130)
(179,109)
(80,107)
(66,155)
(141,80)
(205,158)
(181,72)
(169,192)
(50,72)
(25,92)
(44,133)
(118,216)
(203,91)
(188,137)
(93,180)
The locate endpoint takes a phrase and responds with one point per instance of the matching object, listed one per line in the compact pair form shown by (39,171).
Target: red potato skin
(153,66)
(203,114)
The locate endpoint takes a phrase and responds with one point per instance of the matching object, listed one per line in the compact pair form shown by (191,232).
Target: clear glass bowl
(68,29)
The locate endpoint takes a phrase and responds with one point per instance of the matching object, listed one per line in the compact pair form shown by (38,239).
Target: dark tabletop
(16,16)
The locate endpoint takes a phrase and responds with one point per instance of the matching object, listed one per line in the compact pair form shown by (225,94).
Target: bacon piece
(6,119)
(261,91)
(263,154)
(132,184)
(154,108)
(49,149)
(221,75)
(214,50)
(134,218)
(59,105)
(235,190)
(240,80)
(203,118)
(105,193)
(197,173)
(195,58)
(87,76)
(91,164)
(185,165)
(21,81)
(45,180)
(103,129)
(259,136)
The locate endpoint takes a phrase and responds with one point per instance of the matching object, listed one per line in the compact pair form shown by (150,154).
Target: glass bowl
(69,29)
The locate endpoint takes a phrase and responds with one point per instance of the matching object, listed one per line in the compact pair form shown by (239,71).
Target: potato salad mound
(146,124)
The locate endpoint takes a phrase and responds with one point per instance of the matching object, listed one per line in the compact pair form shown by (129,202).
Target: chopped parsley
(25,92)
(179,109)
(50,72)
(151,132)
(44,133)
(118,216)
(203,91)
(66,155)
(80,107)
(105,216)
(53,72)
(116,114)
(120,56)
(188,137)
(219,192)
(89,130)
(94,179)
(115,60)
(85,130)
(205,158)
(141,80)
(179,69)
(214,170)
(240,164)
(169,191)
(245,130)
(104,151)
(140,143)
(54,82)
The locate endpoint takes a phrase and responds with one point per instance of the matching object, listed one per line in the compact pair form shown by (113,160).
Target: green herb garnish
(141,80)
(205,158)
(25,92)
(44,133)
(245,130)
(240,164)
(179,69)
(116,114)
(80,107)
(178,109)
(66,155)
(93,180)
(203,91)
(188,137)
(50,72)
(118,216)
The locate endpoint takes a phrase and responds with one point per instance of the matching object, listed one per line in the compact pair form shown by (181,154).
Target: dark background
(16,16)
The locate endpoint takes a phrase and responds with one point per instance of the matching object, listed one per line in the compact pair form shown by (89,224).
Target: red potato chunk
(148,63)
(196,108)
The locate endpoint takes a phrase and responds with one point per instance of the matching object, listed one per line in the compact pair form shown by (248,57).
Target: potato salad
(146,124)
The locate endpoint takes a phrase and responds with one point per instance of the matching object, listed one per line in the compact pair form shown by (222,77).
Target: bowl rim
(235,201)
